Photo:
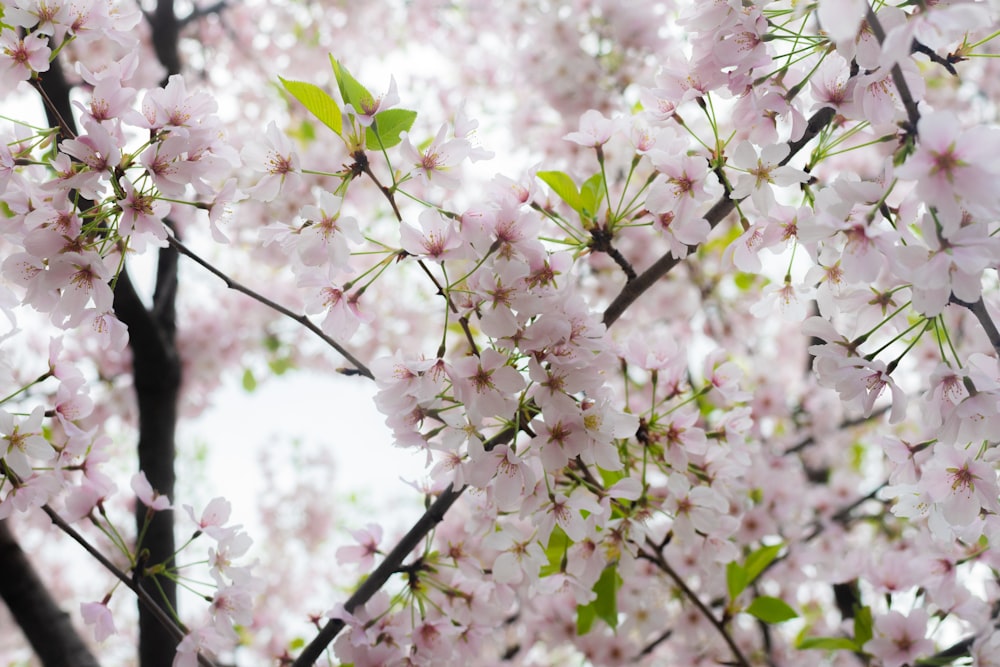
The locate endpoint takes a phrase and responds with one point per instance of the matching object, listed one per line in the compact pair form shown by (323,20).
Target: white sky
(325,413)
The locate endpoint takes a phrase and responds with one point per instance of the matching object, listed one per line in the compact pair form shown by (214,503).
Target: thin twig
(433,516)
(361,369)
(176,631)
(723,207)
(651,646)
(64,127)
(601,241)
(365,167)
(905,96)
(656,557)
(846,424)
(463,320)
(919,47)
(394,559)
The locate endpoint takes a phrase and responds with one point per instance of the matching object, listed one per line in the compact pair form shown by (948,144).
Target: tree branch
(979,310)
(156,372)
(657,559)
(360,368)
(394,559)
(905,96)
(723,207)
(47,627)
(145,600)
(433,516)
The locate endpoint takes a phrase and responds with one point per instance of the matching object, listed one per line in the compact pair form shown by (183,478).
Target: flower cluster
(628,457)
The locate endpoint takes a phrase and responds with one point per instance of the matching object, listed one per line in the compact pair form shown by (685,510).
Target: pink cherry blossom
(149,496)
(900,639)
(595,130)
(22,57)
(277,160)
(762,172)
(363,553)
(438,239)
(142,218)
(216,514)
(98,615)
(325,236)
(22,442)
(435,164)
(954,166)
(486,384)
(960,484)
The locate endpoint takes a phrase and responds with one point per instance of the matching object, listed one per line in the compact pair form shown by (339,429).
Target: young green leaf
(249,381)
(771,610)
(863,626)
(758,561)
(736,579)
(555,552)
(388,125)
(563,186)
(827,644)
(350,89)
(585,615)
(604,606)
(318,102)
(591,195)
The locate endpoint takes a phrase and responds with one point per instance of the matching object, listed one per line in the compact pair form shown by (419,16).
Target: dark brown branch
(846,424)
(600,241)
(905,96)
(947,63)
(979,310)
(123,577)
(436,512)
(166,36)
(394,559)
(47,628)
(651,646)
(655,557)
(256,296)
(156,372)
(145,600)
(433,516)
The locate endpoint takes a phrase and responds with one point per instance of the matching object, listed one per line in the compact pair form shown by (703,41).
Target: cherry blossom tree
(689,307)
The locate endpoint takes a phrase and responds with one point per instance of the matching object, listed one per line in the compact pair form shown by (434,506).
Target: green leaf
(281,365)
(736,579)
(863,626)
(591,195)
(317,101)
(758,561)
(555,552)
(563,186)
(585,615)
(771,610)
(604,606)
(827,644)
(249,381)
(353,92)
(388,125)
(744,281)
